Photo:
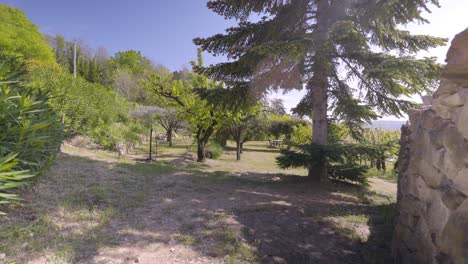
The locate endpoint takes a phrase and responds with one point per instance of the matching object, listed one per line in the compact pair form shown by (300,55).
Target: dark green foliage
(30,130)
(342,159)
(352,57)
(288,42)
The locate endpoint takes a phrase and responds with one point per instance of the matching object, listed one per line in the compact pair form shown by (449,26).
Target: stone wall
(432,220)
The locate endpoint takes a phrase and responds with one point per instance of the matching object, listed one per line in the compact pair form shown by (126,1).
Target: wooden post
(151,143)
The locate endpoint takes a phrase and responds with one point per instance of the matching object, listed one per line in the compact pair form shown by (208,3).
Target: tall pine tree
(352,56)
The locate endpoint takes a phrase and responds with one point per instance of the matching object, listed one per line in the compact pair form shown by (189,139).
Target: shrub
(30,131)
(301,134)
(341,159)
(87,108)
(127,134)
(215,150)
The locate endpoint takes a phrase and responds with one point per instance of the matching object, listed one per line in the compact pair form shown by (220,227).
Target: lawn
(94,207)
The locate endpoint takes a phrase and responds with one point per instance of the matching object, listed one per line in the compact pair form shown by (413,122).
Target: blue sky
(163,30)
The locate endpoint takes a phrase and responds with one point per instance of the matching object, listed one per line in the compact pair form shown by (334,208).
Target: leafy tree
(283,125)
(19,35)
(171,119)
(327,47)
(204,114)
(239,112)
(132,60)
(387,139)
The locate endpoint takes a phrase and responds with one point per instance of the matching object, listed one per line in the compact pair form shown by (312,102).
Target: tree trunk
(318,87)
(238,143)
(382,163)
(201,151)
(169,137)
(242,147)
(203,136)
(318,172)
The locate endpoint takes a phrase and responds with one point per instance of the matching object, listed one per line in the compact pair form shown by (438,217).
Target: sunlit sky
(163,30)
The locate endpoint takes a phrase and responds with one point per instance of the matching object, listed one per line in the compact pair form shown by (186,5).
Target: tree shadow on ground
(156,212)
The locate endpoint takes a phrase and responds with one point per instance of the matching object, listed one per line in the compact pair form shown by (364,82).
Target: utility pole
(74,59)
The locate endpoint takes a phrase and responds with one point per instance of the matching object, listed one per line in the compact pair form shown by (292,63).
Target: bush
(214,150)
(30,131)
(341,159)
(126,134)
(87,108)
(301,135)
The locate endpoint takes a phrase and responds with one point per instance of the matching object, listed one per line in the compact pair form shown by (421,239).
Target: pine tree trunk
(319,171)
(318,85)
(169,137)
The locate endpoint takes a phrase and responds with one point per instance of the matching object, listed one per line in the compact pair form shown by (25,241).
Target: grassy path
(92,207)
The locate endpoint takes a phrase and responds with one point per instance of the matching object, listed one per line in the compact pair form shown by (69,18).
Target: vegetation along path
(92,207)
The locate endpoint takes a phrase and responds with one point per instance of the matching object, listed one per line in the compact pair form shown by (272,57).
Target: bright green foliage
(241,118)
(301,135)
(30,131)
(87,108)
(389,139)
(282,125)
(19,35)
(133,61)
(199,99)
(11,178)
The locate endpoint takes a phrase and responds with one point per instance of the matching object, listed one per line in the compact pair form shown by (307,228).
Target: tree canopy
(20,36)
(352,57)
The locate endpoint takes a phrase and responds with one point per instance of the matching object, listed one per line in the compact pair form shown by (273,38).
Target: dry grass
(92,207)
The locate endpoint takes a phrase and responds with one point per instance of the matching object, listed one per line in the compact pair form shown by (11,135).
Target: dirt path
(93,208)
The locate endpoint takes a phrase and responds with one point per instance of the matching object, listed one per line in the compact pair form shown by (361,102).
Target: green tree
(327,47)
(203,112)
(132,60)
(19,35)
(171,119)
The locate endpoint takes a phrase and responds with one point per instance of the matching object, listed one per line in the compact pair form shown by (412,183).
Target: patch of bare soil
(96,209)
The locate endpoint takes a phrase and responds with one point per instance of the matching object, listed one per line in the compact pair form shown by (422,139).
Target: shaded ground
(92,207)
